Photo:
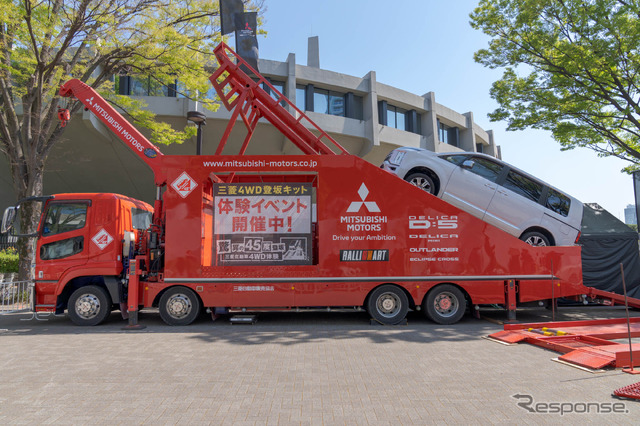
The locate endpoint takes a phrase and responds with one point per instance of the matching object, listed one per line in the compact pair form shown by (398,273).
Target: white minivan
(494,191)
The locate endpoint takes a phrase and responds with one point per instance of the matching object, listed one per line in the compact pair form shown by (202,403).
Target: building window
(413,122)
(479,148)
(396,117)
(328,102)
(301,97)
(336,104)
(324,101)
(144,86)
(321,101)
(279,86)
(399,118)
(139,87)
(355,107)
(447,134)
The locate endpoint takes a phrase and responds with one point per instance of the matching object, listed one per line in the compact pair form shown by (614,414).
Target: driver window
(64,218)
(486,168)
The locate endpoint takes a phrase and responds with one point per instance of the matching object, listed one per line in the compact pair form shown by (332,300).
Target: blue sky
(427,46)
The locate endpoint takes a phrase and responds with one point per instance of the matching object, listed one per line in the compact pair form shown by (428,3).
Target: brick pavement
(304,368)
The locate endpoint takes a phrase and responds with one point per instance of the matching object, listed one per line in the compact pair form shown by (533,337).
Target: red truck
(244,232)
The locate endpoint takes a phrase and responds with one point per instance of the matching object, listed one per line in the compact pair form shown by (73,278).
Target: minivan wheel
(422,181)
(536,239)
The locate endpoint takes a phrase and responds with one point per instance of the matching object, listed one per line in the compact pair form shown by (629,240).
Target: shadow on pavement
(290,328)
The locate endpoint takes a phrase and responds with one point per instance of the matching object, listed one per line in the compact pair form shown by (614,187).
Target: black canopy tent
(606,243)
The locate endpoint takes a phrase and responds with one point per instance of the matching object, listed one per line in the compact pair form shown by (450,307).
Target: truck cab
(84,242)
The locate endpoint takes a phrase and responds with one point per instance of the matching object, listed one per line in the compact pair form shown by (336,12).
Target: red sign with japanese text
(262,223)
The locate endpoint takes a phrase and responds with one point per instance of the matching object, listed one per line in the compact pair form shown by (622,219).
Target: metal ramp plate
(631,391)
(589,358)
(588,344)
(509,336)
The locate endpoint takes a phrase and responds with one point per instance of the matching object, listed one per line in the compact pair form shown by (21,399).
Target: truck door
(473,184)
(63,238)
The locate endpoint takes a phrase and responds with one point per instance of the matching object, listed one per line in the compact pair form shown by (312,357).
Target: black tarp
(606,243)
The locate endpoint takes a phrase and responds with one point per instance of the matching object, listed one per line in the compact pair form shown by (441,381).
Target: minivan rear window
(558,202)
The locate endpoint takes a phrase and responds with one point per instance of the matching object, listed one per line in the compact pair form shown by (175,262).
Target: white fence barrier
(16,296)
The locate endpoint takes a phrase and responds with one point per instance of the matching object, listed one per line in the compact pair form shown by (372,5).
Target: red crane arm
(111,118)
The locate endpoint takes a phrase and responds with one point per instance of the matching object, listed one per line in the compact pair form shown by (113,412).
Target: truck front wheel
(445,304)
(388,304)
(89,305)
(179,306)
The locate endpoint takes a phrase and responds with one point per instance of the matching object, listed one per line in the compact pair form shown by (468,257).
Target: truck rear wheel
(89,305)
(388,304)
(179,306)
(445,304)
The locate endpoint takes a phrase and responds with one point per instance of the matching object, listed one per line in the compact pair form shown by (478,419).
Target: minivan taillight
(578,237)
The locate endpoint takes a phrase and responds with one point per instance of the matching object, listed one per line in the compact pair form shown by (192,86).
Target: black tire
(536,239)
(179,306)
(422,181)
(89,305)
(445,304)
(388,304)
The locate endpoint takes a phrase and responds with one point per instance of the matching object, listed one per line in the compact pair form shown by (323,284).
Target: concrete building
(367,117)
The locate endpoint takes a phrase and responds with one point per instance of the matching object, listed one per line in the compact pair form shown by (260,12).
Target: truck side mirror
(8,218)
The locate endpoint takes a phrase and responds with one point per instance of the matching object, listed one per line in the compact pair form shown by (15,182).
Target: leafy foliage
(45,43)
(570,67)
(8,261)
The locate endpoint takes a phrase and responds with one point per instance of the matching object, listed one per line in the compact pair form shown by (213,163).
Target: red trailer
(319,229)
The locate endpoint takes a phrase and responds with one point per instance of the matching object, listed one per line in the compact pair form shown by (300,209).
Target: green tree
(45,43)
(570,66)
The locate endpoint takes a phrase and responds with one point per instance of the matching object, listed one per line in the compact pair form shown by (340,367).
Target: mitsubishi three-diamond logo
(367,220)
(371,206)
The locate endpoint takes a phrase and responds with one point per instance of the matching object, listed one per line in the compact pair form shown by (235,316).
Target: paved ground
(304,368)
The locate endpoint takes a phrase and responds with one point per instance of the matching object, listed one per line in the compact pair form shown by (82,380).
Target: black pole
(626,307)
(636,193)
(200,120)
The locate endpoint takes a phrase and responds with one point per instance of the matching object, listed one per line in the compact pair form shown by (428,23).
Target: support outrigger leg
(132,297)
(511,300)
